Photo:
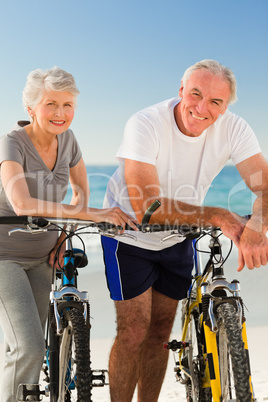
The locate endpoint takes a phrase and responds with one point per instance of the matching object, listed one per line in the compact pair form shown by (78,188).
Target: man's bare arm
(143,188)
(253,248)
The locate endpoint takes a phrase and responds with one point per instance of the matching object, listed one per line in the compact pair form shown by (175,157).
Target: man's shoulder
(228,119)
(160,106)
(229,127)
(155,111)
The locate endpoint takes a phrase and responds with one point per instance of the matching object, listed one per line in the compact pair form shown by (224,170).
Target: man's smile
(196,117)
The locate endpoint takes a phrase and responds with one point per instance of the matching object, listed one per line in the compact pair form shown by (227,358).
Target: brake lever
(29,230)
(171,235)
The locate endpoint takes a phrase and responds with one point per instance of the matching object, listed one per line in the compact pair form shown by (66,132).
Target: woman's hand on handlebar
(59,254)
(115,216)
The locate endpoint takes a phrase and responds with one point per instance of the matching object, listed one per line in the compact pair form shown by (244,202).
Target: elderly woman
(38,159)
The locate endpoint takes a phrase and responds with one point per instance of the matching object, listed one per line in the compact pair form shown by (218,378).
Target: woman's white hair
(217,69)
(54,79)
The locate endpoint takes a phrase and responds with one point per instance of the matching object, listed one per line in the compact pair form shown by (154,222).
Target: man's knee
(163,314)
(133,320)
(132,337)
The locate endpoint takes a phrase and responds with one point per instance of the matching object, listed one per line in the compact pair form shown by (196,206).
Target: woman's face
(54,113)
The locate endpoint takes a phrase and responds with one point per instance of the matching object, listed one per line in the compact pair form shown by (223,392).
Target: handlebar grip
(149,211)
(14,220)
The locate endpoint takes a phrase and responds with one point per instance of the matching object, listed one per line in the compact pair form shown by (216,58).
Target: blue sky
(126,55)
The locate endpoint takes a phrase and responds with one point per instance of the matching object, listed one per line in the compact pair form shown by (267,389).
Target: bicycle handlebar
(16,220)
(42,223)
(189,231)
(184,230)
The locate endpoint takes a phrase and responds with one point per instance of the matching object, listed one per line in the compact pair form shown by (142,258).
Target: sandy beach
(173,391)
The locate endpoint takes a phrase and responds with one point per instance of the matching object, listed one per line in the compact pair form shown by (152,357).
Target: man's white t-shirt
(186,166)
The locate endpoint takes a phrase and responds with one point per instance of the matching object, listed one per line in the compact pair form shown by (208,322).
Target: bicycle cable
(221,258)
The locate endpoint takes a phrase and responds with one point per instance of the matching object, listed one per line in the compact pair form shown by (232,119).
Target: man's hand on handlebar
(251,242)
(253,248)
(232,226)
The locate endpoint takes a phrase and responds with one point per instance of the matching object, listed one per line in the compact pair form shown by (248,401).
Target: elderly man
(172,151)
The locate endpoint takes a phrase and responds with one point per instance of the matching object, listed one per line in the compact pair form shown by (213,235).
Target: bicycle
(67,365)
(212,358)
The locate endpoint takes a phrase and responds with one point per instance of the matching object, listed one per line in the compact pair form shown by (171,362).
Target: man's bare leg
(133,320)
(154,357)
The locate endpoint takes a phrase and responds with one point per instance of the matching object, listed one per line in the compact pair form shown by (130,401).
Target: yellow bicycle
(212,358)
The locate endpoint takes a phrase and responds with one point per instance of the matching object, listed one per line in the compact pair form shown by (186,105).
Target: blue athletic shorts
(131,270)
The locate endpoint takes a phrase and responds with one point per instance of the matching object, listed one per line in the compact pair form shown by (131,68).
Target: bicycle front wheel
(233,361)
(74,359)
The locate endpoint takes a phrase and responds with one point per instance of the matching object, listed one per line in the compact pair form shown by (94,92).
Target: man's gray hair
(217,69)
(54,79)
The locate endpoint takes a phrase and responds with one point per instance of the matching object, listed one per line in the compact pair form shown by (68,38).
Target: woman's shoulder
(67,133)
(16,134)
(68,137)
(14,144)
(70,147)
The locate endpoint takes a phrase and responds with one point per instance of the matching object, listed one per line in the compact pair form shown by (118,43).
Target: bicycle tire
(75,349)
(233,361)
(74,371)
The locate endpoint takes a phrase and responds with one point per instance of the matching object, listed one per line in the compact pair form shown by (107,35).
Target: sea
(228,191)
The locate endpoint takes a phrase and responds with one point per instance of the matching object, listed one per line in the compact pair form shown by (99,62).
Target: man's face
(204,97)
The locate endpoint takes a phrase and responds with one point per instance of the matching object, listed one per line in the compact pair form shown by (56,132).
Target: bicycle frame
(59,300)
(68,289)
(67,297)
(194,304)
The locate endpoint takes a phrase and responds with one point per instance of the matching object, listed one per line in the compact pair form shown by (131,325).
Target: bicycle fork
(209,305)
(213,361)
